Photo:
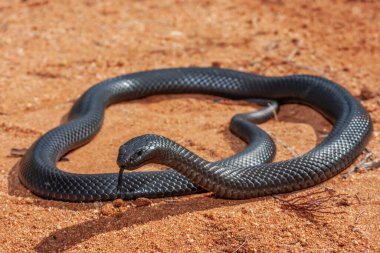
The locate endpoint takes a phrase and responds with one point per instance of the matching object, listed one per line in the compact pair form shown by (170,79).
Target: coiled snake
(229,178)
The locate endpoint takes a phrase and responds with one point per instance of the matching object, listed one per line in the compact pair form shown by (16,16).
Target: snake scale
(228,178)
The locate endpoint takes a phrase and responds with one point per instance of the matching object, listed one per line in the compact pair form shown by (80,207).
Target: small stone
(216,64)
(142,202)
(117,203)
(344,202)
(209,216)
(367,93)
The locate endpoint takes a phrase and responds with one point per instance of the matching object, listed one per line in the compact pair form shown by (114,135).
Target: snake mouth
(137,164)
(122,168)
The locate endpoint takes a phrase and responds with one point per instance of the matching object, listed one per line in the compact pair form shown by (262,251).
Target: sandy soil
(51,52)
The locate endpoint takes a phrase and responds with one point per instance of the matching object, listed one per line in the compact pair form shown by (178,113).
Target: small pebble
(117,202)
(344,202)
(216,64)
(367,93)
(142,202)
(244,210)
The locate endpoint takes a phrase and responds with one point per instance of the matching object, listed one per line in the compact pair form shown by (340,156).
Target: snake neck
(183,160)
(210,176)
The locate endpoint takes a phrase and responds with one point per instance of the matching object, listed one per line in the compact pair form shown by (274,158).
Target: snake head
(138,152)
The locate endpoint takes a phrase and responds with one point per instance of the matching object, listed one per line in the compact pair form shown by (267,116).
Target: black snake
(227,178)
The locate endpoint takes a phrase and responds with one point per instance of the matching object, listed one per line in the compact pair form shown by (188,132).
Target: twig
(291,149)
(328,188)
(372,165)
(271,45)
(358,216)
(303,66)
(357,198)
(242,244)
(20,152)
(363,162)
(290,60)
(294,52)
(312,204)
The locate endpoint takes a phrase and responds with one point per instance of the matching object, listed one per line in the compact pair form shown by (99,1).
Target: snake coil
(350,134)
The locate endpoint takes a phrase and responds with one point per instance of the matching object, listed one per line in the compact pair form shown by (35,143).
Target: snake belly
(351,131)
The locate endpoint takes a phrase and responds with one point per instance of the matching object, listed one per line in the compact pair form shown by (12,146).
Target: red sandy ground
(52,51)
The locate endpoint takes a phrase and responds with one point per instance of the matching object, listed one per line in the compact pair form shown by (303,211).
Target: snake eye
(136,155)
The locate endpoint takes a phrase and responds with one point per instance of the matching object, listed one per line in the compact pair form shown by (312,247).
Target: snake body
(350,134)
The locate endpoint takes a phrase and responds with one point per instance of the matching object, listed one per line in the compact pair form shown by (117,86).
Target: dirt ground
(52,51)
